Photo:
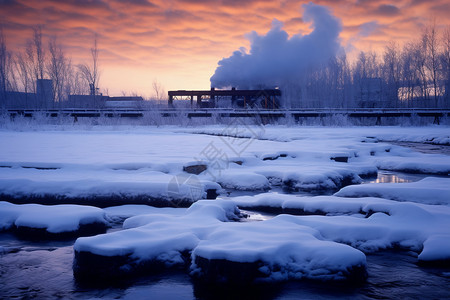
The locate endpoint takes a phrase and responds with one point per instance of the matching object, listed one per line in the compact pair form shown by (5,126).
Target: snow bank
(57,220)
(436,248)
(430,190)
(100,187)
(145,234)
(143,164)
(281,249)
(273,250)
(127,211)
(244,181)
(368,224)
(149,241)
(423,164)
(428,134)
(134,163)
(303,205)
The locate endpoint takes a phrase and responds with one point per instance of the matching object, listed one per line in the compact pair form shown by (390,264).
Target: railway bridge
(372,116)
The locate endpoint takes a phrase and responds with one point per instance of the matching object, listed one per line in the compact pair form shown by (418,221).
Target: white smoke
(275,59)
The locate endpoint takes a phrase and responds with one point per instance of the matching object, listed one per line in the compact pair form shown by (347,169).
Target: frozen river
(43,270)
(275,160)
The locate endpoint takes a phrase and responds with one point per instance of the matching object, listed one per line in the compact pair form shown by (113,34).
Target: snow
(54,219)
(438,134)
(286,247)
(304,204)
(326,240)
(88,182)
(402,224)
(436,248)
(368,224)
(430,190)
(127,211)
(242,180)
(283,248)
(137,162)
(154,236)
(280,244)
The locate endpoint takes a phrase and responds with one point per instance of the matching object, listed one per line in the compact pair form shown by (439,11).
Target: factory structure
(44,98)
(40,99)
(264,98)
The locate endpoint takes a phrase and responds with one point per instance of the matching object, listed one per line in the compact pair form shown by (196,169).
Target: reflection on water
(395,177)
(251,216)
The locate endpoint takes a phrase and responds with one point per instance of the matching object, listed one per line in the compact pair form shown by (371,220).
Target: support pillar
(213,98)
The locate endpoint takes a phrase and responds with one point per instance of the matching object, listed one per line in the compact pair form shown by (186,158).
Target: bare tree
(391,69)
(445,63)
(35,56)
(36,53)
(419,65)
(91,73)
(430,39)
(8,78)
(58,69)
(158,90)
(409,74)
(3,68)
(24,72)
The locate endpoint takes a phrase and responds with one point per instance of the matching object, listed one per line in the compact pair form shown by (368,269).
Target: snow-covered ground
(145,164)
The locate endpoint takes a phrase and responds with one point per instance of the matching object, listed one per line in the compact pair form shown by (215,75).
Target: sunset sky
(179,42)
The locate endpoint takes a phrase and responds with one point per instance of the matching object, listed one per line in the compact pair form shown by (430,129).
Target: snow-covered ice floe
(36,221)
(430,190)
(368,224)
(329,246)
(216,249)
(104,187)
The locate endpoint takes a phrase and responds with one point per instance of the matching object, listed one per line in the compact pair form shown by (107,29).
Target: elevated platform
(265,98)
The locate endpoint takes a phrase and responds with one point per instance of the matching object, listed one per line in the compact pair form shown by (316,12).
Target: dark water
(425,148)
(44,271)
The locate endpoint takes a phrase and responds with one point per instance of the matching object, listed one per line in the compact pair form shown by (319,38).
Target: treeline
(414,75)
(23,73)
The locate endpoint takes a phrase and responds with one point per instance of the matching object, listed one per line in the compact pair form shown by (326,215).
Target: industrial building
(265,98)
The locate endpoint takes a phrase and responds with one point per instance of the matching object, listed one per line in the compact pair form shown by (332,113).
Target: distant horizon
(180,43)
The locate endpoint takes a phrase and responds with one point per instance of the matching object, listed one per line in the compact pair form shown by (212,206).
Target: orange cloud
(180,41)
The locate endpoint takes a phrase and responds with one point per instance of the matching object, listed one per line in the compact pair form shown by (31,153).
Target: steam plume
(275,59)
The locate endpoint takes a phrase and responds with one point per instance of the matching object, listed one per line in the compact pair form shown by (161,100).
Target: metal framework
(267,98)
(377,115)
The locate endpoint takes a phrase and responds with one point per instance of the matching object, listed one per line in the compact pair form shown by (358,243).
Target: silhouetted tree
(91,73)
(59,70)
